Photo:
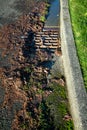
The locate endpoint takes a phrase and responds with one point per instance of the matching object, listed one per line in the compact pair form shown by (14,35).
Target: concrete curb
(75,86)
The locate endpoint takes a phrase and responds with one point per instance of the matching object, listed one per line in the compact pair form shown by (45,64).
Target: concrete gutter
(75,86)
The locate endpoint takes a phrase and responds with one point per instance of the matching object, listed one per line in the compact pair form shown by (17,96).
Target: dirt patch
(24,76)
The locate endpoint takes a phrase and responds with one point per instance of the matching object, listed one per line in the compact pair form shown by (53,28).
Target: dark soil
(23,77)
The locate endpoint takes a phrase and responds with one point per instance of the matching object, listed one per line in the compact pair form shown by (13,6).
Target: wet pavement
(53,15)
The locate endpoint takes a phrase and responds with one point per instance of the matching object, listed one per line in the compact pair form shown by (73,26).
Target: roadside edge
(75,86)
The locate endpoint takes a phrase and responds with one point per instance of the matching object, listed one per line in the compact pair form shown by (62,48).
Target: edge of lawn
(78,13)
(75,86)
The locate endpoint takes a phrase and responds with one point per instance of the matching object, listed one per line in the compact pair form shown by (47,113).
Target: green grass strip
(78,12)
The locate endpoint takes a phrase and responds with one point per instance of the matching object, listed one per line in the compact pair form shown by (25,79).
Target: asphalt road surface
(10,10)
